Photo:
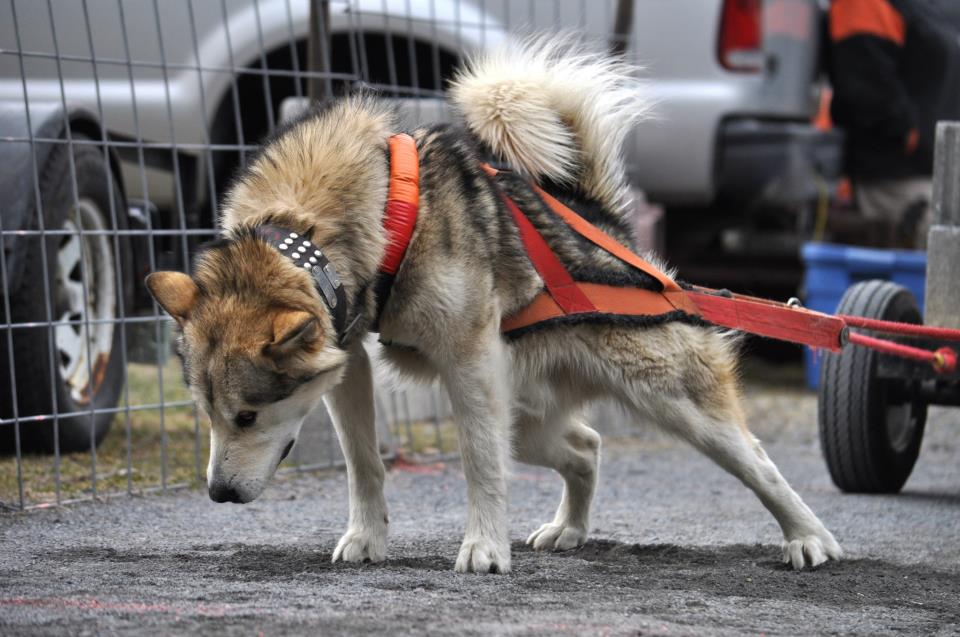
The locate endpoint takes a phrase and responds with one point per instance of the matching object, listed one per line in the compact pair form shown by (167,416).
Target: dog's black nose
(222,493)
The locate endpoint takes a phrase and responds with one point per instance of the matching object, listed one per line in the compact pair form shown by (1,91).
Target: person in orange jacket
(895,70)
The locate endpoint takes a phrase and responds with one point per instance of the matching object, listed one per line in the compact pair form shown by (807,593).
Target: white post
(942,304)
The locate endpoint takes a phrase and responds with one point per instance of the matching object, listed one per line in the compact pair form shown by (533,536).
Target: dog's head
(258,343)
(258,353)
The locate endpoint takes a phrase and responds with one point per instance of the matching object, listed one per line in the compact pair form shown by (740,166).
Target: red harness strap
(561,287)
(769,318)
(564,296)
(748,314)
(607,299)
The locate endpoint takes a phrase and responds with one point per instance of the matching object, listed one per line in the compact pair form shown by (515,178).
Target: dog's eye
(246,418)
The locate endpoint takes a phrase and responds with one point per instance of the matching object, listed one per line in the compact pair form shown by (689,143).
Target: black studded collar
(303,253)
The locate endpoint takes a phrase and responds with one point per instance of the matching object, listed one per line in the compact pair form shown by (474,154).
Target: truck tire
(75,366)
(870,439)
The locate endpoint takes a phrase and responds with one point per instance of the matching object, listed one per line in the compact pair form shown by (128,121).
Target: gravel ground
(677,547)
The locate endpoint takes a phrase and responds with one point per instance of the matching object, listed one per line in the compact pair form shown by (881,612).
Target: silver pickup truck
(727,75)
(183,89)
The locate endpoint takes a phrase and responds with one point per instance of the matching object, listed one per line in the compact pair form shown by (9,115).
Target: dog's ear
(175,292)
(292,331)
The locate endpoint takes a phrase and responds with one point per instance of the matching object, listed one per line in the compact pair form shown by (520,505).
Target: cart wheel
(870,437)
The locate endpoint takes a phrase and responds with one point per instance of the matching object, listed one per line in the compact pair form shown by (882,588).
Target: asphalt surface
(677,547)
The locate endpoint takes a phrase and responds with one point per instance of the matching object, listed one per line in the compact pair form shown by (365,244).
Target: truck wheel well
(372,66)
(80,123)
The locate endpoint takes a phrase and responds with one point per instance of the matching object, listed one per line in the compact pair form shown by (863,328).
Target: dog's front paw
(483,555)
(557,537)
(362,545)
(812,549)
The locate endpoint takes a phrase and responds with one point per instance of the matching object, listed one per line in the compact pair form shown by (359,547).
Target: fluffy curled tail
(553,109)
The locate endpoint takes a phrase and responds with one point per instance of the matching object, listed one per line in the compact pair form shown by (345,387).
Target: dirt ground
(677,547)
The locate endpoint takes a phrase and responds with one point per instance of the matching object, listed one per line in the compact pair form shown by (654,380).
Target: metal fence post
(318,52)
(942,305)
(622,27)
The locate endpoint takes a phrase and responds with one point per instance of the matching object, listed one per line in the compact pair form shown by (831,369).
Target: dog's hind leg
(351,409)
(562,442)
(478,385)
(684,378)
(724,438)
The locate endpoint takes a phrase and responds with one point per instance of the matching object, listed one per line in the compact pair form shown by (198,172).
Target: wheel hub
(901,423)
(85,307)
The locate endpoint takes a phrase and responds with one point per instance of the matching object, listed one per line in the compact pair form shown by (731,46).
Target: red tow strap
(769,318)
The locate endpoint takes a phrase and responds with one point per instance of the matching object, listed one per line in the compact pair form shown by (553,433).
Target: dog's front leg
(351,408)
(478,385)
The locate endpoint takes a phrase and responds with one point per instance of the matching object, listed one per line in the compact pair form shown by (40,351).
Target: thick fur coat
(259,348)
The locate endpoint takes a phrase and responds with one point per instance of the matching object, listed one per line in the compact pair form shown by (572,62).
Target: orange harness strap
(562,290)
(591,298)
(605,241)
(606,299)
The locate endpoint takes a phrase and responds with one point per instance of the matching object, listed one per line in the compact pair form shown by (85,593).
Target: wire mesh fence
(121,124)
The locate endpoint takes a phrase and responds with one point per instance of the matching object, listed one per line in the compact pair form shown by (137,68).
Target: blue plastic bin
(832,268)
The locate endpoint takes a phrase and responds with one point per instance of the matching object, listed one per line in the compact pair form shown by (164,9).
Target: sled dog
(263,339)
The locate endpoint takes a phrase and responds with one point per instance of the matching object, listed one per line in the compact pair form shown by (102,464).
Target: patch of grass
(426,438)
(131,456)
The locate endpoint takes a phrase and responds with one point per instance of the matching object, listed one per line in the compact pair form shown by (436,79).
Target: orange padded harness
(400,215)
(565,297)
(403,200)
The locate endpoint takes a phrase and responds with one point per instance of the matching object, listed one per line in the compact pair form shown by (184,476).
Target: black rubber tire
(38,393)
(861,452)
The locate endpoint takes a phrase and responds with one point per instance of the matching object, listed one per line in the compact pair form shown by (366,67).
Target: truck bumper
(775,163)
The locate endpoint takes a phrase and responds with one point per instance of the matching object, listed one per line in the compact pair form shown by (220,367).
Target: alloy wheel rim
(85,301)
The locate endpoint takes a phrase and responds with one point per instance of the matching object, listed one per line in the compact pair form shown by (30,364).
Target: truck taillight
(740,44)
